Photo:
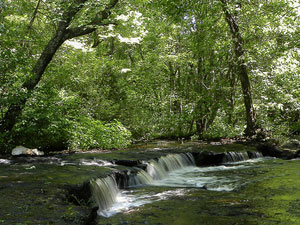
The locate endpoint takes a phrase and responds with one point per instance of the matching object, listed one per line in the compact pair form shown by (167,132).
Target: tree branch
(34,15)
(99,20)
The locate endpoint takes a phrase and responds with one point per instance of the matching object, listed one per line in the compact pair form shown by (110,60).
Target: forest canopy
(88,74)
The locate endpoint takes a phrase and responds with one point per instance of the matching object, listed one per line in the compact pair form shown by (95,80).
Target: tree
(242,69)
(65,30)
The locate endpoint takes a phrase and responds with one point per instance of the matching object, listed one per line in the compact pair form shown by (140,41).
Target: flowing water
(151,186)
(173,171)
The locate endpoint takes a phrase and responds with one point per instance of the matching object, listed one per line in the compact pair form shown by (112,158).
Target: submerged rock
(21,150)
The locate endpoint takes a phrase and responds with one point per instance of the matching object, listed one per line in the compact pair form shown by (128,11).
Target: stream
(156,184)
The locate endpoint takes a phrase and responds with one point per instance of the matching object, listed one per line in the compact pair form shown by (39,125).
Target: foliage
(160,69)
(53,121)
(88,133)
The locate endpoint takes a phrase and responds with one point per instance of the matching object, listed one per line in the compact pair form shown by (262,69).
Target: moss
(39,196)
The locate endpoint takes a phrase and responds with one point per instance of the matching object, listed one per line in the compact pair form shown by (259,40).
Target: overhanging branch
(99,20)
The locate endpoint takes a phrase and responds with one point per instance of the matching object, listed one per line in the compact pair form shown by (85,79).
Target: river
(164,185)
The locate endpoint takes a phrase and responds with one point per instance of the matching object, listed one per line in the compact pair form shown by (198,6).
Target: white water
(105,192)
(174,171)
(129,200)
(5,161)
(236,156)
(94,162)
(160,169)
(201,177)
(215,178)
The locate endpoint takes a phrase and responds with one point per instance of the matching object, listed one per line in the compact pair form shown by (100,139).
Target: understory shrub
(221,129)
(89,133)
(84,133)
(54,120)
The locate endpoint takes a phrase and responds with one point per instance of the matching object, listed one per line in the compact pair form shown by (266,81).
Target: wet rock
(91,219)
(21,150)
(129,163)
(292,145)
(252,155)
(206,158)
(78,194)
(270,149)
(122,178)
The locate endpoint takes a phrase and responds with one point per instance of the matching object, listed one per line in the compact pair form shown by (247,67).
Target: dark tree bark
(62,34)
(34,14)
(241,69)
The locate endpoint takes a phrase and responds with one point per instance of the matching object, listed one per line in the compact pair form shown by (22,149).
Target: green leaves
(88,133)
(161,68)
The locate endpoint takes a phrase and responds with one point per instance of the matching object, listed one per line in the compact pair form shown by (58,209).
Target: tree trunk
(62,34)
(15,110)
(242,70)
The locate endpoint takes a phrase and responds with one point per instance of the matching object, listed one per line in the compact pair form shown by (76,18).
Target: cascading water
(255,155)
(236,156)
(141,178)
(159,169)
(240,156)
(105,191)
(172,170)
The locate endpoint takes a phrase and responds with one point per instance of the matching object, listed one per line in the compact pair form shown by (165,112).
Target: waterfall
(241,156)
(174,170)
(235,156)
(160,168)
(105,191)
(141,178)
(255,155)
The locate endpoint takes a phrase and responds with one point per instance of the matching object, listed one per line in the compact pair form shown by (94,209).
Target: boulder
(21,150)
(207,158)
(292,144)
(270,149)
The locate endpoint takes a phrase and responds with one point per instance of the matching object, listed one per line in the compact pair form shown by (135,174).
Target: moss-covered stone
(38,194)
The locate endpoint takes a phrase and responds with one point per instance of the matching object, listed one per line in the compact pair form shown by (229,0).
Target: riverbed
(260,190)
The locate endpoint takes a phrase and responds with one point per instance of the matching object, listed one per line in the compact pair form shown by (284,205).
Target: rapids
(174,171)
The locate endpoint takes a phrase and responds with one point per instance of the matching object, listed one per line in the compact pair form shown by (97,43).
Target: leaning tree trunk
(62,34)
(242,70)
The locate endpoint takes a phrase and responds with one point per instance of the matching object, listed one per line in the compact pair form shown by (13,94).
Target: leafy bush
(88,133)
(220,128)
(55,121)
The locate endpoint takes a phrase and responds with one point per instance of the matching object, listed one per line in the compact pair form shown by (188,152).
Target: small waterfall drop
(240,156)
(105,191)
(141,178)
(255,155)
(160,168)
(173,170)
(236,156)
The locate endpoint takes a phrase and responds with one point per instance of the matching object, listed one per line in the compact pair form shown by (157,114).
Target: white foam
(215,178)
(94,162)
(127,201)
(222,188)
(249,161)
(5,161)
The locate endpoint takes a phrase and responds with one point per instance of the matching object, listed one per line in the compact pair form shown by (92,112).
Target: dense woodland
(88,74)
